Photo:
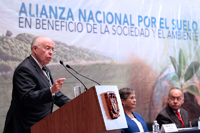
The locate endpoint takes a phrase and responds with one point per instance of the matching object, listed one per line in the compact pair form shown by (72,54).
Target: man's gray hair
(35,42)
(178,89)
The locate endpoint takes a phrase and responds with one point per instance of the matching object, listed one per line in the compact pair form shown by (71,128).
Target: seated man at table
(173,113)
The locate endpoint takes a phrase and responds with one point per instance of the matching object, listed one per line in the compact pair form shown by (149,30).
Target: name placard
(169,127)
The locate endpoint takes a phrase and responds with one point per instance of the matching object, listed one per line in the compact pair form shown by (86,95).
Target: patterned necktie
(47,73)
(179,117)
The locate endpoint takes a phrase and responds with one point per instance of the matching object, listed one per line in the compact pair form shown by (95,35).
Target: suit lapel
(38,70)
(183,117)
(173,116)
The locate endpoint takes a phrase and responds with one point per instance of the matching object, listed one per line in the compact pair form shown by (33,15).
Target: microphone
(61,62)
(81,74)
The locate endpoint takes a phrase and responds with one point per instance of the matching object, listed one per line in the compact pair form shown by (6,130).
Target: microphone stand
(81,74)
(61,62)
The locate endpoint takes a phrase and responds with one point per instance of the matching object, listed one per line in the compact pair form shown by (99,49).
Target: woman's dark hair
(125,92)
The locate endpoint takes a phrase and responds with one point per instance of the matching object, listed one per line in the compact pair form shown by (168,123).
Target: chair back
(149,125)
(194,122)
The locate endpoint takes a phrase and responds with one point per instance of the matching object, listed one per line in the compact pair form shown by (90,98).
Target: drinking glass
(77,89)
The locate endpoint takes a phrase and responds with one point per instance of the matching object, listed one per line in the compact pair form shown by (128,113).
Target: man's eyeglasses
(50,49)
(173,98)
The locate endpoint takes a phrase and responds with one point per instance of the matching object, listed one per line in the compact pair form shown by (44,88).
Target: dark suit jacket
(167,116)
(31,97)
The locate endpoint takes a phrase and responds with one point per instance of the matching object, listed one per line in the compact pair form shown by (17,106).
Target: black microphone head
(61,62)
(68,66)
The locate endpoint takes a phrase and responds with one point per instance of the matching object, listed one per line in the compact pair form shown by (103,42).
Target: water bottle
(155,127)
(199,123)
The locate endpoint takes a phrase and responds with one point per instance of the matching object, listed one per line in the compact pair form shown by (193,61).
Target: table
(184,130)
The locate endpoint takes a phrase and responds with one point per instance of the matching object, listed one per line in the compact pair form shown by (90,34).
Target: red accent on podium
(80,115)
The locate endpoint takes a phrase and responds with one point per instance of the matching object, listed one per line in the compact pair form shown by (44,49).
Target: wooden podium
(84,114)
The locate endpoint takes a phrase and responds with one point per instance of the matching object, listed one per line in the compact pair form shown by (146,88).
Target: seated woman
(135,121)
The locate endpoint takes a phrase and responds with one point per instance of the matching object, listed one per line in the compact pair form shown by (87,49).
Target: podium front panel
(111,124)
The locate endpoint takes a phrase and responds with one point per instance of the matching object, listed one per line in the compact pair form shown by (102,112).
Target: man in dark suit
(34,91)
(173,113)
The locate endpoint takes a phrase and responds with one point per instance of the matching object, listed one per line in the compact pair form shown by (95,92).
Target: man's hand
(57,85)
